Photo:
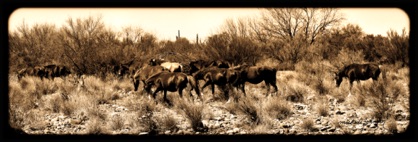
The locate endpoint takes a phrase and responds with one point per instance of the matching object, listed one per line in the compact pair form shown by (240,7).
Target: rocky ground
(343,118)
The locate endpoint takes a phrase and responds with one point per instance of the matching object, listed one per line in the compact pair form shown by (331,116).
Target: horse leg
(243,88)
(155,92)
(213,89)
(268,88)
(205,85)
(226,91)
(275,87)
(181,92)
(165,95)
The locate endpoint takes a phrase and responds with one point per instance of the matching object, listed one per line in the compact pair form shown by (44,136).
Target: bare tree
(80,39)
(287,23)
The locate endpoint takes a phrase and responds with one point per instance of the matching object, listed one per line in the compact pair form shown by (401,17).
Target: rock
(230,132)
(233,117)
(332,129)
(373,125)
(217,125)
(167,132)
(299,106)
(357,132)
(143,133)
(236,130)
(75,121)
(359,126)
(205,122)
(365,132)
(286,125)
(339,112)
(218,118)
(325,128)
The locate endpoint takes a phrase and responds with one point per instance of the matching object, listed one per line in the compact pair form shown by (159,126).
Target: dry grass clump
(117,123)
(22,98)
(94,111)
(391,126)
(307,124)
(295,93)
(58,104)
(277,108)
(93,84)
(148,124)
(322,107)
(247,107)
(168,123)
(194,113)
(336,123)
(383,95)
(16,118)
(96,127)
(45,87)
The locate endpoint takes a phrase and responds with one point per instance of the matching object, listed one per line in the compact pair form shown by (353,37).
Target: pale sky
(165,22)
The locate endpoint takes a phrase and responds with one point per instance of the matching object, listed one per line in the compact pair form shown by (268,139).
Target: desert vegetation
(306,52)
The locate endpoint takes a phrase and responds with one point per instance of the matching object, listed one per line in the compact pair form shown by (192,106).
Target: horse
(171,81)
(144,73)
(52,71)
(170,66)
(200,64)
(221,77)
(31,71)
(357,72)
(126,69)
(255,75)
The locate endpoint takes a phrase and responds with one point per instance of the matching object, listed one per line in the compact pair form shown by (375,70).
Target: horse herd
(170,76)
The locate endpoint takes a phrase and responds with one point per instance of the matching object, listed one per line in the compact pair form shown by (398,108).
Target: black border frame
(8,6)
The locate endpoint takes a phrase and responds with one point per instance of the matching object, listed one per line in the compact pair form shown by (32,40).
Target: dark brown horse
(200,64)
(357,72)
(31,71)
(170,81)
(52,71)
(144,73)
(124,70)
(221,77)
(255,75)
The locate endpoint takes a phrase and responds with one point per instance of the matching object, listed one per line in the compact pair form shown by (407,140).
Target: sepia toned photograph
(209,71)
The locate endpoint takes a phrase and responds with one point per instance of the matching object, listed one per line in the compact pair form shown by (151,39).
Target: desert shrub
(23,99)
(236,50)
(336,123)
(94,111)
(278,109)
(383,94)
(248,107)
(391,126)
(296,93)
(148,124)
(16,118)
(95,127)
(116,122)
(307,124)
(55,104)
(346,57)
(194,113)
(68,107)
(168,123)
(396,48)
(322,108)
(46,87)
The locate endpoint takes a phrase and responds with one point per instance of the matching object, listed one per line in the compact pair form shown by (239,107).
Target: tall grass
(193,113)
